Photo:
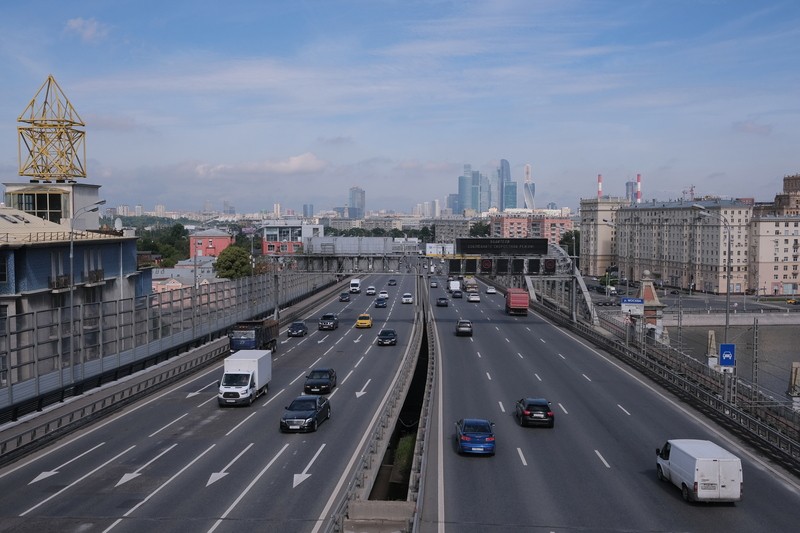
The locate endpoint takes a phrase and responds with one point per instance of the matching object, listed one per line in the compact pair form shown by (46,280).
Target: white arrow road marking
(359,338)
(322,339)
(136,473)
(216,476)
(195,393)
(363,390)
(78,480)
(299,478)
(48,473)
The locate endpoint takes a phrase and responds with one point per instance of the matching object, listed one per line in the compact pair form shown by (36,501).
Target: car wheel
(314,425)
(659,473)
(685,493)
(329,414)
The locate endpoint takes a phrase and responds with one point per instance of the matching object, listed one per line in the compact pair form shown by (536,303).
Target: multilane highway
(595,471)
(178,462)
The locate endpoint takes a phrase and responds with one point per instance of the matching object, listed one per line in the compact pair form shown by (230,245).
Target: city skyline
(253,104)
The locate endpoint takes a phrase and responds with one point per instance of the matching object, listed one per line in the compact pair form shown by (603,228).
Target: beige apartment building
(685,244)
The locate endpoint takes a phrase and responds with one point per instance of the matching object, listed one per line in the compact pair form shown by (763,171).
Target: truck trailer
(517,301)
(245,377)
(704,471)
(255,335)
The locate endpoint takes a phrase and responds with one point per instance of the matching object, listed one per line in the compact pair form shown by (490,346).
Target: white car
(491,290)
(407,298)
(474,297)
(383,294)
(370,291)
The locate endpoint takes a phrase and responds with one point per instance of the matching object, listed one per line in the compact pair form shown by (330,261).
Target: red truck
(517,301)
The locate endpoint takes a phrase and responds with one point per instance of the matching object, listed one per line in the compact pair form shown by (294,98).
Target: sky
(293,102)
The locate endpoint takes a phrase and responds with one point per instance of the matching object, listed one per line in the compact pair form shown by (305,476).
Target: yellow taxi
(364,321)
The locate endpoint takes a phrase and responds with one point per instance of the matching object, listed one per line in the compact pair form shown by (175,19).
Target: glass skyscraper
(358,203)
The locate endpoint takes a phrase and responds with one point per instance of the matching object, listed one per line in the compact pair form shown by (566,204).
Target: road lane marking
(520,355)
(304,475)
(312,365)
(167,482)
(562,357)
(247,489)
(542,341)
(602,459)
(357,363)
(78,480)
(138,472)
(195,393)
(168,425)
(623,410)
(273,397)
(216,476)
(489,376)
(298,377)
(522,457)
(209,400)
(503,409)
(363,390)
(587,377)
(479,354)
(563,409)
(329,350)
(49,473)
(347,376)
(237,426)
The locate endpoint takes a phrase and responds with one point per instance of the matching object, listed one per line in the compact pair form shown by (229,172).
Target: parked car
(407,298)
(320,381)
(442,301)
(474,297)
(475,435)
(387,337)
(384,295)
(434,284)
(297,329)
(344,297)
(534,412)
(464,328)
(392,282)
(370,291)
(457,294)
(380,302)
(491,290)
(792,301)
(328,321)
(364,321)
(305,413)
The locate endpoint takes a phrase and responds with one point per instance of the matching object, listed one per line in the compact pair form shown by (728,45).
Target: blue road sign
(632,301)
(727,355)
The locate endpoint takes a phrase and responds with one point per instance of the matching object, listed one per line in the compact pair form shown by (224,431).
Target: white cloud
(89,30)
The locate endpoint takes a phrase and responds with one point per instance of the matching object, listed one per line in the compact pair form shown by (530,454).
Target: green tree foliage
(571,242)
(233,263)
(480,229)
(170,242)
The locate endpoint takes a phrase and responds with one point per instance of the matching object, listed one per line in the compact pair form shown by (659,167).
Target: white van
(704,471)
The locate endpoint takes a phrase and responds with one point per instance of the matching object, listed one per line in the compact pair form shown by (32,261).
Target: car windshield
(387,333)
(235,380)
(318,374)
(477,427)
(327,317)
(363,317)
(302,405)
(297,325)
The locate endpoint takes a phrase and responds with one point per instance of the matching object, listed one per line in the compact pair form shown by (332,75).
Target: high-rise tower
(529,188)
(358,203)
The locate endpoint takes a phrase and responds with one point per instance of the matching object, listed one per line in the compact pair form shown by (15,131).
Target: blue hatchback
(475,435)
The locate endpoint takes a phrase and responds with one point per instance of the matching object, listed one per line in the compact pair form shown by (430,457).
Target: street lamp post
(728,261)
(91,208)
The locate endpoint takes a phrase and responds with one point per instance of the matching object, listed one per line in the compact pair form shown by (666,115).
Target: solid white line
(440,437)
(247,489)
(563,409)
(601,458)
(623,410)
(234,428)
(167,482)
(78,480)
(168,425)
(503,409)
(522,457)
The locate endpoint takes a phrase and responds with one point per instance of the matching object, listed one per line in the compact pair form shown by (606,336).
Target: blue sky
(293,102)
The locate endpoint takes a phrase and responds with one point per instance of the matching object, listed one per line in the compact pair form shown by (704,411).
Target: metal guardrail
(775,432)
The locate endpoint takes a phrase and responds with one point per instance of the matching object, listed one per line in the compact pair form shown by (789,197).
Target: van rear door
(730,479)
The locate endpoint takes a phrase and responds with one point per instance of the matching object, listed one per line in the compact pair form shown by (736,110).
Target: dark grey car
(306,413)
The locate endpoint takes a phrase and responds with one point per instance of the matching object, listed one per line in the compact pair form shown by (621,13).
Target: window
(3,269)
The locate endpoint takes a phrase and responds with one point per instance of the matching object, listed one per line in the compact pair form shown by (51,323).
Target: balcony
(59,282)
(96,276)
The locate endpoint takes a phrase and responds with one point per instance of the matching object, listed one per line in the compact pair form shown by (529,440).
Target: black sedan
(344,297)
(442,301)
(387,337)
(297,329)
(458,294)
(534,412)
(380,302)
(305,413)
(320,381)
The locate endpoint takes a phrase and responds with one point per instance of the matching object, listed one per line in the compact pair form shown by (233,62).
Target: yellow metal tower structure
(50,135)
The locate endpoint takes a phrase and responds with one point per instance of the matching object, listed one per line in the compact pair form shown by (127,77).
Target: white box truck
(453,285)
(355,286)
(246,376)
(704,471)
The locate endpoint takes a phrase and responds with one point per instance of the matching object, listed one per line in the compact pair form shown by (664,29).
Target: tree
(571,242)
(480,229)
(233,263)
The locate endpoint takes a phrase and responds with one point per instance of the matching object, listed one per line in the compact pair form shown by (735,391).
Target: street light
(91,208)
(704,213)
